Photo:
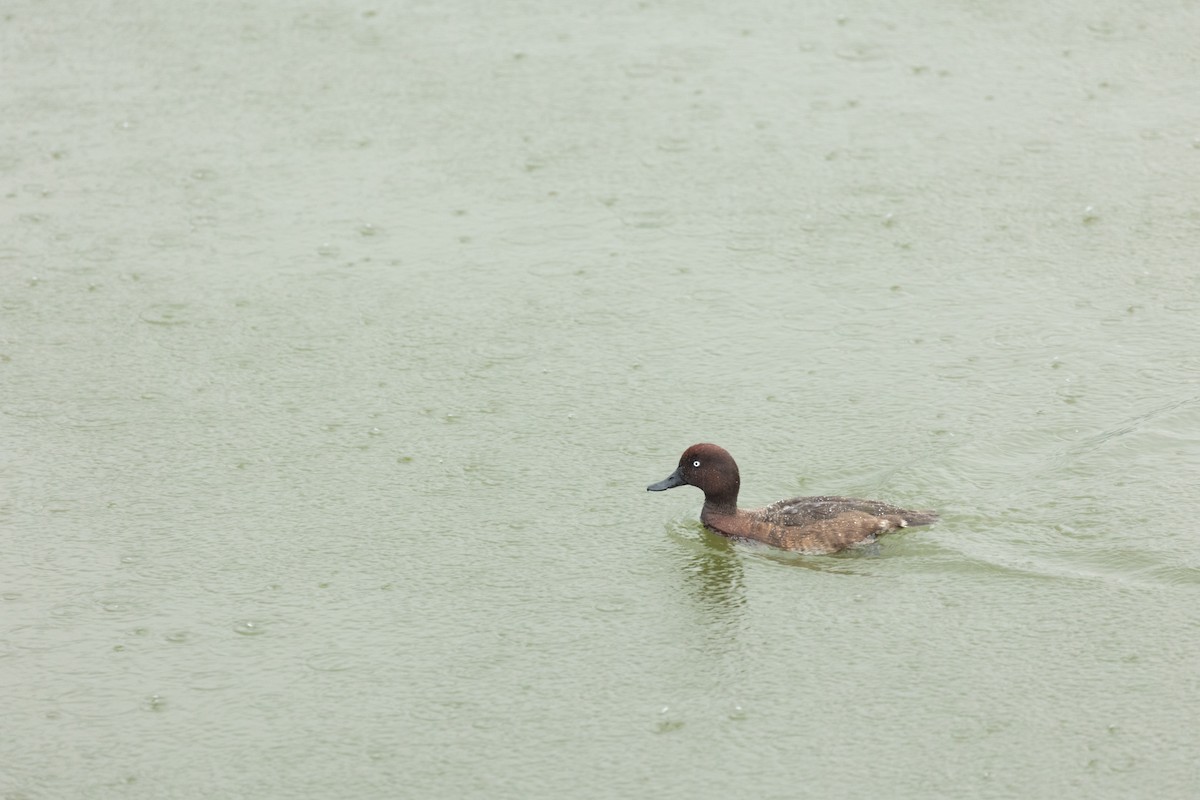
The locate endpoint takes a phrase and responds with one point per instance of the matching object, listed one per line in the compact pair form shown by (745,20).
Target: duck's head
(711,470)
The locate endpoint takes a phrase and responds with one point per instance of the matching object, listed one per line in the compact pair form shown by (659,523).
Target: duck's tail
(908,518)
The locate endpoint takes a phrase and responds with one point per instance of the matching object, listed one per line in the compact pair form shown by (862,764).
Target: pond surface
(338,344)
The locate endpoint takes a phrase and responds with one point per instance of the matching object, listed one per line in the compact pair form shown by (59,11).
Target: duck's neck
(725,503)
(712,509)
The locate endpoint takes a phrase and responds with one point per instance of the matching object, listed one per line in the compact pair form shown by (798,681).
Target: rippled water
(338,345)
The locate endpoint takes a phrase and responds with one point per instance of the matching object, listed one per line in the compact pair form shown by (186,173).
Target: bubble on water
(166,314)
(667,722)
(674,144)
(861,52)
(248,627)
(646,213)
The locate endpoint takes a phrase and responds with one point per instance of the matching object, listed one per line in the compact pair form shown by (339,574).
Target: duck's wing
(800,511)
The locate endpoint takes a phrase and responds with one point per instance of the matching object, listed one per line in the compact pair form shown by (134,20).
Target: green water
(339,343)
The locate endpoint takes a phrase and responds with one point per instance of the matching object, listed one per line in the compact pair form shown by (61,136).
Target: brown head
(711,470)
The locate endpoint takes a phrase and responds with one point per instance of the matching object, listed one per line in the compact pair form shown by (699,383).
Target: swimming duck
(803,524)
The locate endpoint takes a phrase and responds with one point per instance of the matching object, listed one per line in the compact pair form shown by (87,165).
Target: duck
(813,525)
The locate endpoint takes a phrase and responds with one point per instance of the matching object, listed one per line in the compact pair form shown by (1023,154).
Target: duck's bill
(670,482)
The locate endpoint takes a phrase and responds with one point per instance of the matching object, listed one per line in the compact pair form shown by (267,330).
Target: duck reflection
(715,568)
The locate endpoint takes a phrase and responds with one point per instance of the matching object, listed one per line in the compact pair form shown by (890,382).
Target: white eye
(695,463)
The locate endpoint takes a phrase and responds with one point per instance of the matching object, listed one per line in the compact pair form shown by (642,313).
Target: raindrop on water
(247,627)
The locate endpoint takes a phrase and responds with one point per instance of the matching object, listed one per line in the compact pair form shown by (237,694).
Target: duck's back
(803,511)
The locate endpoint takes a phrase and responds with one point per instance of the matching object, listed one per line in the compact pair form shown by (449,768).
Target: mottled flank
(823,524)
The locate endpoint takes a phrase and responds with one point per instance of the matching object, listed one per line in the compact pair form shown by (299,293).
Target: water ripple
(332,662)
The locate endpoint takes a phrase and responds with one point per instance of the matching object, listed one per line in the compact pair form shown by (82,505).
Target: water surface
(339,344)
